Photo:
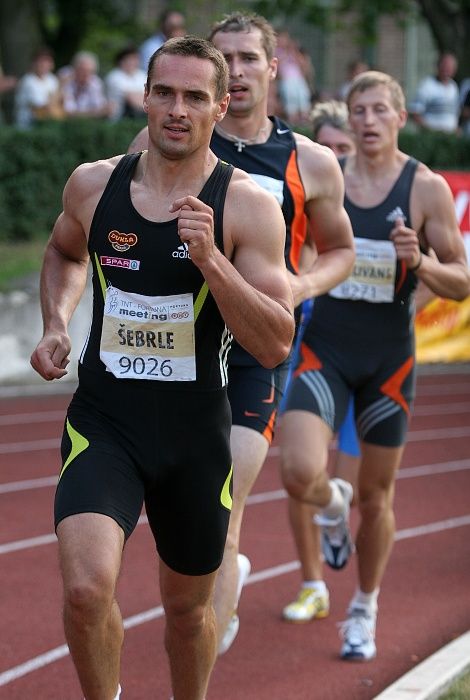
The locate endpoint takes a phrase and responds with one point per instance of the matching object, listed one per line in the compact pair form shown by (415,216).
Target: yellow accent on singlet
(201,297)
(225,497)
(100,276)
(79,444)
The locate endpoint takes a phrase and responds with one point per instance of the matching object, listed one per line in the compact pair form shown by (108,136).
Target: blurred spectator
(355,67)
(330,127)
(465,115)
(125,85)
(436,104)
(37,94)
(294,90)
(172,23)
(83,91)
(7,83)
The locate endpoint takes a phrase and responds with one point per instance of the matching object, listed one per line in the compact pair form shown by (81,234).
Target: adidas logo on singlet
(396,214)
(181,252)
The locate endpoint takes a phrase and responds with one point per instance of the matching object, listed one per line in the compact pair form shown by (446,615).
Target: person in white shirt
(37,94)
(172,23)
(436,104)
(125,85)
(83,91)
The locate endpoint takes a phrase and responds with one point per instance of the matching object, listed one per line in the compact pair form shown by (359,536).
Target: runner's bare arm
(64,270)
(253,293)
(447,273)
(329,227)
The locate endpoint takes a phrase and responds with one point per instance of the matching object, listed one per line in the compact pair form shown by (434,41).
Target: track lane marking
(413,436)
(60,652)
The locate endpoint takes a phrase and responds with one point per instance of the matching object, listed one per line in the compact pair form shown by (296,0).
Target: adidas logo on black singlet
(181,252)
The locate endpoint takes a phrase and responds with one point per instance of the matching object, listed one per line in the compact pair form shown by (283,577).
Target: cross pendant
(240,146)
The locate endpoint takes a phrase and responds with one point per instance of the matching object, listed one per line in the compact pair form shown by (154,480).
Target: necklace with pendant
(238,142)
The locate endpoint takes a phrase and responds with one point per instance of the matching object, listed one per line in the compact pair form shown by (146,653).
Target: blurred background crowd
(87,86)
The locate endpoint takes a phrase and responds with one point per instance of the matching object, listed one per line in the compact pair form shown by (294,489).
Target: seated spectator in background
(330,127)
(355,67)
(83,93)
(436,104)
(294,89)
(172,23)
(37,94)
(125,85)
(7,83)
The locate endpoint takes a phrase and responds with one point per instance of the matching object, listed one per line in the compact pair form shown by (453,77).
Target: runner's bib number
(373,276)
(146,337)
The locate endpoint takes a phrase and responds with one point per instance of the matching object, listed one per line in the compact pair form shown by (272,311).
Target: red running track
(424,601)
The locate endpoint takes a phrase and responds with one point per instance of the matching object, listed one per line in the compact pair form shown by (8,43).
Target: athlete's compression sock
(366,600)
(319,585)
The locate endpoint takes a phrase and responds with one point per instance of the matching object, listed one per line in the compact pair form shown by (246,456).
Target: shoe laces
(306,594)
(358,627)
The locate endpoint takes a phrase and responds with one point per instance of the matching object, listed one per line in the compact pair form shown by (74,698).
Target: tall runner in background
(307,182)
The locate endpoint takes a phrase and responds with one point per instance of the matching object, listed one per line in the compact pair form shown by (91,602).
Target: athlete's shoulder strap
(213,193)
(121,174)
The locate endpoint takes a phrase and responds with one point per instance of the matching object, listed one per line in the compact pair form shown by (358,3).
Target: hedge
(35,164)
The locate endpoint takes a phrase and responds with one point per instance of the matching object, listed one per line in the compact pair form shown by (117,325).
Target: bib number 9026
(148,366)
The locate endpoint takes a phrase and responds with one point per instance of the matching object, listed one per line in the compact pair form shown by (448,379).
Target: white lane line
(413,436)
(404,473)
(41,540)
(29,446)
(443,389)
(441,410)
(27,484)
(59,652)
(253,499)
(40,417)
(58,416)
(38,541)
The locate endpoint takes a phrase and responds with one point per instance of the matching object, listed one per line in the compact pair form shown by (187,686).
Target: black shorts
(126,443)
(381,381)
(254,394)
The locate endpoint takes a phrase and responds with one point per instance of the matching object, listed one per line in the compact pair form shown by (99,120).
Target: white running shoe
(310,604)
(230,634)
(358,633)
(244,568)
(336,542)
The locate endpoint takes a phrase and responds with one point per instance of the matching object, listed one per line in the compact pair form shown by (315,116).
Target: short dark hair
(246,22)
(129,50)
(200,48)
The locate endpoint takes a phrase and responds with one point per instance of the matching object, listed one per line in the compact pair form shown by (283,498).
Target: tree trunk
(19,35)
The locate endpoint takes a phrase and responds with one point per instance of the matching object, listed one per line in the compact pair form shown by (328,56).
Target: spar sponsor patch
(111,261)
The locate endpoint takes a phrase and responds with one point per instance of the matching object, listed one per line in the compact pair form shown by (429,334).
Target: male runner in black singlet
(360,340)
(166,299)
(307,183)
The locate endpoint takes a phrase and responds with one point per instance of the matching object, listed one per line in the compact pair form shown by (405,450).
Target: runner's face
(374,119)
(181,105)
(250,71)
(340,143)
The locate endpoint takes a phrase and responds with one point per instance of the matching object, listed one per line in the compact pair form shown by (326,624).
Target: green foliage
(36,164)
(437,150)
